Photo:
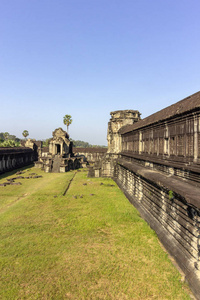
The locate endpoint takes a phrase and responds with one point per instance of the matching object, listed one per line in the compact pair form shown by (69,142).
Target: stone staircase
(56,164)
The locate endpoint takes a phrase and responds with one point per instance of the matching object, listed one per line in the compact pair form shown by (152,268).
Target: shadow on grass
(10,173)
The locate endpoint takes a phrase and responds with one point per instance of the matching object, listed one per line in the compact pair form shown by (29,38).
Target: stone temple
(59,156)
(156,163)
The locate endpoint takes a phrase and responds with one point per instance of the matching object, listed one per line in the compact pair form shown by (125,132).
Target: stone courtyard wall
(156,162)
(158,170)
(13,158)
(171,208)
(91,155)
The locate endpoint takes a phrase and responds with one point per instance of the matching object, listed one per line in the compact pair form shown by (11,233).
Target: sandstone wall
(13,158)
(176,139)
(172,209)
(92,155)
(158,169)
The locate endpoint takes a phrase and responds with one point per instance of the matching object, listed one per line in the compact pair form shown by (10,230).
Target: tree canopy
(8,140)
(5,135)
(25,133)
(82,144)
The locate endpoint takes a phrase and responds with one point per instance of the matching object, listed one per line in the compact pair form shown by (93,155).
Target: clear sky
(87,58)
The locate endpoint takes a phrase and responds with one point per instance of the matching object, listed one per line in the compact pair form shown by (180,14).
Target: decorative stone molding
(119,119)
(59,158)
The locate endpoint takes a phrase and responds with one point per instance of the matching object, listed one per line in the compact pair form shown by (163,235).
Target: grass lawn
(89,243)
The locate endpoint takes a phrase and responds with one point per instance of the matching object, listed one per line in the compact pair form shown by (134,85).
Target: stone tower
(106,166)
(119,119)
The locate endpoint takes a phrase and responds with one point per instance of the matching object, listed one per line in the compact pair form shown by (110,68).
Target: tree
(45,143)
(25,133)
(5,135)
(67,120)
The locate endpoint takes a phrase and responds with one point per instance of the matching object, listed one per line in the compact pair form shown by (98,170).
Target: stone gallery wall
(175,218)
(156,162)
(91,155)
(13,158)
(158,168)
(173,133)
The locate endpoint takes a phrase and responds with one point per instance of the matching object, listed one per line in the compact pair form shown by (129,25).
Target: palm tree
(67,120)
(25,133)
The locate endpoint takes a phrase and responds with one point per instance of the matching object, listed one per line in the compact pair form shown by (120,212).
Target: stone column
(195,137)
(140,142)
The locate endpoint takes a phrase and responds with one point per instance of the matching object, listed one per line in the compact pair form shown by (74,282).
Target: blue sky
(87,58)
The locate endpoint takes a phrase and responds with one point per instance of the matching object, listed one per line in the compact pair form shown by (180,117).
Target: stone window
(190,145)
(172,145)
(199,145)
(180,145)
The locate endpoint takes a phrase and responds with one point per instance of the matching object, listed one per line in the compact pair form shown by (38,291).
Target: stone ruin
(59,157)
(119,118)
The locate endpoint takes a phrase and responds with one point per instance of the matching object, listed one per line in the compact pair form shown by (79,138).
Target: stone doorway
(57,149)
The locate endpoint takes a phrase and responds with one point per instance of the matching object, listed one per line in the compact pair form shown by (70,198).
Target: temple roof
(59,132)
(187,104)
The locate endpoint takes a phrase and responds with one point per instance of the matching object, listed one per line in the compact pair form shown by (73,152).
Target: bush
(9,143)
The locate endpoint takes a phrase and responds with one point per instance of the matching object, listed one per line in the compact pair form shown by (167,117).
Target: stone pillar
(61,149)
(140,142)
(166,140)
(195,137)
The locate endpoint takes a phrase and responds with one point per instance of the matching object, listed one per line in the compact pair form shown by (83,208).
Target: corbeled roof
(187,104)
(59,132)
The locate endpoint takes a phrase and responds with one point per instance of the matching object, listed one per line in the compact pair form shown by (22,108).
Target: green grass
(89,244)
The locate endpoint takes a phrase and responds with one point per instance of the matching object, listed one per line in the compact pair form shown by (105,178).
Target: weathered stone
(119,119)
(15,183)
(13,158)
(59,158)
(156,163)
(89,155)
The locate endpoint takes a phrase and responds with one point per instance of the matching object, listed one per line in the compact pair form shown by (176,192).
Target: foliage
(8,140)
(10,143)
(25,133)
(171,195)
(79,143)
(67,120)
(45,143)
(76,144)
(5,135)
(82,144)
(10,137)
(14,138)
(89,244)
